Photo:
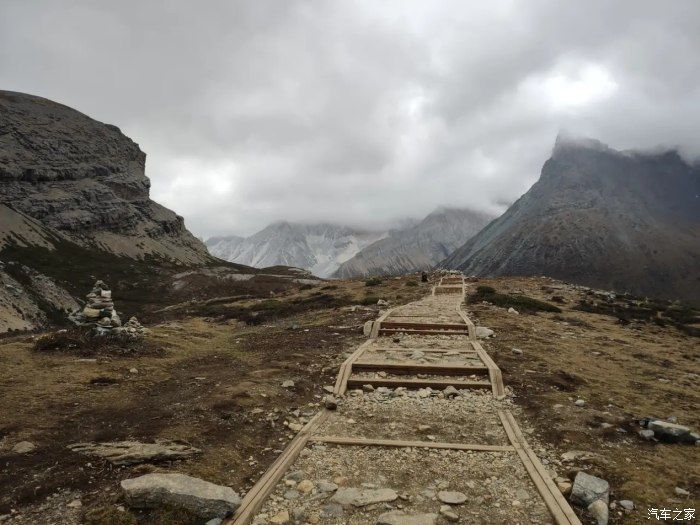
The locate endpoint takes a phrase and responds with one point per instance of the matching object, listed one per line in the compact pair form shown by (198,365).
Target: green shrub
(411,283)
(522,303)
(369,300)
(374,281)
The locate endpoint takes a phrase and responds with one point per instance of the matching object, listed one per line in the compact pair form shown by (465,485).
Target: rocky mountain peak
(84,181)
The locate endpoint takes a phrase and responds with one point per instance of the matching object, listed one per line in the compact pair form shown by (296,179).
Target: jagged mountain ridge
(626,221)
(319,248)
(418,247)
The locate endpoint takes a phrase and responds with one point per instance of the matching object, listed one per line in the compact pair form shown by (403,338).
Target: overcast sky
(361,112)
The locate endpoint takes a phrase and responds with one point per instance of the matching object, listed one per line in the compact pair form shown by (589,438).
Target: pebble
(281,517)
(452,497)
(24,447)
(330,402)
(288,384)
(305,486)
(627,504)
(517,351)
(682,492)
(447,512)
(580,403)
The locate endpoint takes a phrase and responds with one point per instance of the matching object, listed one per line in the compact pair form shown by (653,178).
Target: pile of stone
(99,312)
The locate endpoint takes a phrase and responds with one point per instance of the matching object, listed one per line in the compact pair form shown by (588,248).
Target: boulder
(367,328)
(134,452)
(482,332)
(330,402)
(670,432)
(398,517)
(587,489)
(200,497)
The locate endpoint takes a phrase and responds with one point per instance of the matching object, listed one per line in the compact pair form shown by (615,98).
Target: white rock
(512,310)
(587,489)
(400,518)
(200,497)
(599,510)
(133,452)
(452,497)
(362,497)
(482,332)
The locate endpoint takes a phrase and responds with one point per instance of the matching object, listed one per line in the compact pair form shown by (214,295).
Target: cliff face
(599,217)
(85,181)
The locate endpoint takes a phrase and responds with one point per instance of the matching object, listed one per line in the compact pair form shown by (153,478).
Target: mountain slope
(75,207)
(599,217)
(319,248)
(85,181)
(418,247)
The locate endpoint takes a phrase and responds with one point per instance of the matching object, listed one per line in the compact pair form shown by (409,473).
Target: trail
(423,434)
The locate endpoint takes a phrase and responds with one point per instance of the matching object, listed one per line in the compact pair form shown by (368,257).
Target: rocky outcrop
(416,248)
(614,220)
(200,497)
(135,452)
(64,174)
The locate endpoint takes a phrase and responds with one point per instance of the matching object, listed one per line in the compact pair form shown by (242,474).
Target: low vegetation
(521,303)
(374,281)
(82,341)
(628,310)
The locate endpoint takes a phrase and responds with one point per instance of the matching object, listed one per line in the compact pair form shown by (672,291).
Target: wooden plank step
(370,442)
(467,351)
(389,331)
(423,326)
(415,367)
(438,384)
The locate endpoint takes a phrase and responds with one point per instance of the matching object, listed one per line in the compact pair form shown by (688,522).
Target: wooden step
(414,367)
(371,442)
(438,384)
(390,331)
(423,326)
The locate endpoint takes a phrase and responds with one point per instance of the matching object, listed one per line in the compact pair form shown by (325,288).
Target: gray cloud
(362,112)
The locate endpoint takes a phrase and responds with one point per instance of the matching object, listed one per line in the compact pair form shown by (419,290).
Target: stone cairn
(100,313)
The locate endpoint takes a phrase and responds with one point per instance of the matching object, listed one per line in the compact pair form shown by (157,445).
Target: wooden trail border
(552,497)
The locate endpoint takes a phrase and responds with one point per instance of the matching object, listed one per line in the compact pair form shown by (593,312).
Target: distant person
(424,277)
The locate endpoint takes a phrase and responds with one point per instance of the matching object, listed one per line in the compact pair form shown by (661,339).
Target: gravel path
(349,484)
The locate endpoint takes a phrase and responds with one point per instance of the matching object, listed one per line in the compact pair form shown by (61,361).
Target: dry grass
(623,371)
(217,386)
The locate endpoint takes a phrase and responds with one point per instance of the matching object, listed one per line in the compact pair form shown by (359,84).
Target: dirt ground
(217,385)
(623,372)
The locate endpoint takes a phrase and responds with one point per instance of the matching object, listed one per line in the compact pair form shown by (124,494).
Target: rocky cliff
(627,221)
(74,206)
(85,181)
(417,247)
